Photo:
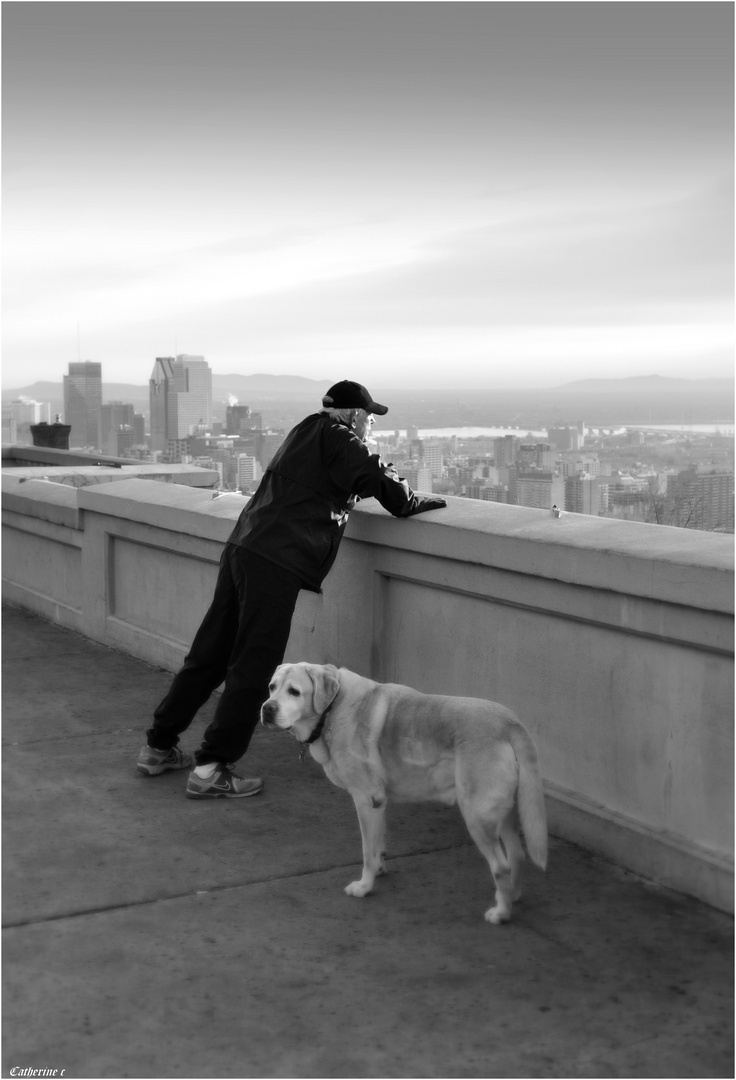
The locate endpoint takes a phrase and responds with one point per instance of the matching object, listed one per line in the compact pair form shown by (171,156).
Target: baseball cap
(351,395)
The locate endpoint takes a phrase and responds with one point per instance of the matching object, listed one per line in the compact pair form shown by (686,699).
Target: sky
(423,194)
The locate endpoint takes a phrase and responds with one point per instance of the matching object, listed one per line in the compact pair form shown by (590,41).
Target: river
(498,432)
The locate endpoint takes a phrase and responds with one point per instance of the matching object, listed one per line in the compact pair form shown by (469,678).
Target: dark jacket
(298,514)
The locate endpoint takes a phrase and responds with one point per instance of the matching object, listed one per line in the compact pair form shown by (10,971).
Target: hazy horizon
(465,195)
(397,388)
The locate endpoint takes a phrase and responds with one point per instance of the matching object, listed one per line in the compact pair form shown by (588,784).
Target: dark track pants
(242,640)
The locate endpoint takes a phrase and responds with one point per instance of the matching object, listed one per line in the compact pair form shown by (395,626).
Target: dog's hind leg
(514,852)
(486,790)
(487,838)
(372,819)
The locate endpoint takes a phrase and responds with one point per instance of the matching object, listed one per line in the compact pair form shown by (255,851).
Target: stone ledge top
(680,566)
(41,499)
(75,475)
(677,566)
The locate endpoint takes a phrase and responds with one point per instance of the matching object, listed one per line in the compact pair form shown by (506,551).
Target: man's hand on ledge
(427,504)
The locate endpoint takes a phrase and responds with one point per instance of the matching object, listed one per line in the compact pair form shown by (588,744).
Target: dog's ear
(326,685)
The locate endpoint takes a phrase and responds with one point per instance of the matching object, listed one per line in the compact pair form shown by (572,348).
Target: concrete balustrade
(78,469)
(613,641)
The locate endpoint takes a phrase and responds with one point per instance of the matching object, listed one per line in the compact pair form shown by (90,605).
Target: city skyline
(465,195)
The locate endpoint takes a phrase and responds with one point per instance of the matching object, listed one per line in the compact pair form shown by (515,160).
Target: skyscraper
(432,458)
(540,489)
(82,403)
(702,500)
(535,456)
(249,473)
(181,398)
(114,416)
(505,450)
(239,420)
(10,427)
(19,414)
(566,438)
(585,494)
(419,478)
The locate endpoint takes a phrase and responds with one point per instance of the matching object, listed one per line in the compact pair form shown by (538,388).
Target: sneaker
(152,762)
(224,784)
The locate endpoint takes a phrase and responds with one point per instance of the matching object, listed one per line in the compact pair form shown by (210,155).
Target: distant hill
(38,391)
(641,383)
(297,384)
(283,385)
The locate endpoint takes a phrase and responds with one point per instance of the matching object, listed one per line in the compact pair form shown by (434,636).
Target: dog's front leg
(372,818)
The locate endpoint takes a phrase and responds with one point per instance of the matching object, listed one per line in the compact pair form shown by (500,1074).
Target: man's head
(351,395)
(352,405)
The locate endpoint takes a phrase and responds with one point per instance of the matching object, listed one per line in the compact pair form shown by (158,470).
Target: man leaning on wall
(286,539)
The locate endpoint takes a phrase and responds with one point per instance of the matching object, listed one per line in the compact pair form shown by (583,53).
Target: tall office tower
(586,494)
(505,450)
(181,399)
(419,479)
(487,492)
(495,493)
(539,489)
(416,449)
(432,458)
(702,500)
(19,414)
(27,411)
(526,457)
(114,416)
(581,463)
(10,426)
(565,438)
(536,456)
(124,440)
(249,473)
(82,403)
(545,456)
(239,420)
(162,384)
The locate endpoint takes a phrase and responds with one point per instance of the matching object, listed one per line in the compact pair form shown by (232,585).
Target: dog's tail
(530,795)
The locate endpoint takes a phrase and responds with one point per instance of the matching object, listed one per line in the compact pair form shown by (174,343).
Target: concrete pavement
(146,935)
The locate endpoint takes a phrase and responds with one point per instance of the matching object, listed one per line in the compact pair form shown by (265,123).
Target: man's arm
(412,503)
(364,474)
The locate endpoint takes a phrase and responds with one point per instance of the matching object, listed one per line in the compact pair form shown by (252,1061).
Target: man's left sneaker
(152,761)
(224,784)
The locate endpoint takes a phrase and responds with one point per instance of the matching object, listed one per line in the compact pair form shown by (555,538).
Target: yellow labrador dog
(383,741)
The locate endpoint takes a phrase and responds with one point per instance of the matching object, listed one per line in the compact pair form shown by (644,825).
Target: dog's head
(298,695)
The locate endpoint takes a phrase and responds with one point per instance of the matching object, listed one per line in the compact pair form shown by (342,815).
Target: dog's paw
(497,915)
(357,888)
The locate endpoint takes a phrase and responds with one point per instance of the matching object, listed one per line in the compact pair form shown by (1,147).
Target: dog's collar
(317,730)
(315,733)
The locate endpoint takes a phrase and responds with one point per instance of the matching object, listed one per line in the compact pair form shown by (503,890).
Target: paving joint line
(71,735)
(109,908)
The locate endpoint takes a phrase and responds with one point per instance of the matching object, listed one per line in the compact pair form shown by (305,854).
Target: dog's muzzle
(269,712)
